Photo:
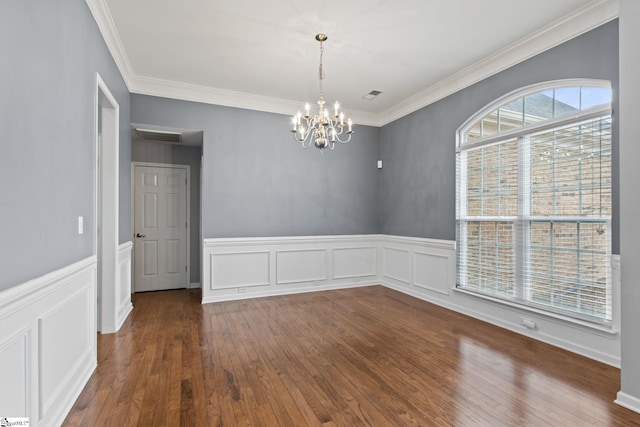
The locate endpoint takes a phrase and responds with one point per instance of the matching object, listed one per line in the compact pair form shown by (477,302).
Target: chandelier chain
(321,71)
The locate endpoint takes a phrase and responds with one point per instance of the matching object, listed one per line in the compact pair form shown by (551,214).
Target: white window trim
(522,92)
(606,326)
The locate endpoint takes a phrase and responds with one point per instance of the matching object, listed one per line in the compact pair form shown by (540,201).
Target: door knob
(140,235)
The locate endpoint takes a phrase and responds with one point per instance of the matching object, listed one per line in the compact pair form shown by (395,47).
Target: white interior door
(160,228)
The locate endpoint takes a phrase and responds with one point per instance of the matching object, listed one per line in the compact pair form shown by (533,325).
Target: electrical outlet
(528,323)
(80,225)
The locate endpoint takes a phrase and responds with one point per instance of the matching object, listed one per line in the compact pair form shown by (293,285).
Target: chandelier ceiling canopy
(324,128)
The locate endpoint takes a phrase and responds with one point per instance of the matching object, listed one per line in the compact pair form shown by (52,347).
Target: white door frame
(187,168)
(107,113)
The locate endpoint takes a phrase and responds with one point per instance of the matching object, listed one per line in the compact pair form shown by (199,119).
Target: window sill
(565,320)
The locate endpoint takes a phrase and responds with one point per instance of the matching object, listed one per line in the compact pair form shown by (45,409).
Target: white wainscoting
(48,343)
(252,267)
(123,284)
(426,269)
(410,263)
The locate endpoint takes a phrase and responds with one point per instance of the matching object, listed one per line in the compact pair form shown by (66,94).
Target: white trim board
(591,15)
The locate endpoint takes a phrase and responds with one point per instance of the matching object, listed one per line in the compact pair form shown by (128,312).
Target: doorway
(106,212)
(160,226)
(172,147)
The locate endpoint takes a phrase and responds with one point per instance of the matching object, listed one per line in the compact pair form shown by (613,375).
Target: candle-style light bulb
(350,123)
(306,109)
(341,118)
(295,122)
(336,106)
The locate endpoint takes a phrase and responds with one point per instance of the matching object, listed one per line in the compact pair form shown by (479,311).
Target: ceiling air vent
(372,95)
(160,136)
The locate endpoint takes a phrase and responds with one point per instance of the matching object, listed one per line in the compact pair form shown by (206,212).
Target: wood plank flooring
(355,357)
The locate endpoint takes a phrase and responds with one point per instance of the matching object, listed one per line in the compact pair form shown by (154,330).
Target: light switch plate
(80,225)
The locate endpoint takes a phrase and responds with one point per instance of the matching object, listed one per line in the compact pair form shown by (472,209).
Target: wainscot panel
(301,265)
(396,264)
(124,285)
(239,269)
(48,343)
(431,271)
(354,262)
(247,268)
(14,356)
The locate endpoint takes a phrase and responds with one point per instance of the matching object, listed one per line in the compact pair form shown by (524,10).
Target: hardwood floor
(355,357)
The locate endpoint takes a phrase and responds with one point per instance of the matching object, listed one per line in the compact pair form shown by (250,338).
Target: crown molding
(107,27)
(228,98)
(590,16)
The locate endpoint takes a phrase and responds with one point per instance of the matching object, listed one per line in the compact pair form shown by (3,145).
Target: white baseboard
(289,291)
(194,285)
(628,401)
(48,343)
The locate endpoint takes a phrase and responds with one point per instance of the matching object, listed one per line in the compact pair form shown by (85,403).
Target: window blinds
(533,218)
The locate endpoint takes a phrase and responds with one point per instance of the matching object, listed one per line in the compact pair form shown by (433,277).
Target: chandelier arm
(345,140)
(308,141)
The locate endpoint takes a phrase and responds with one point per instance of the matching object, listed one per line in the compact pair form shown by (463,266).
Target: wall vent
(372,95)
(160,136)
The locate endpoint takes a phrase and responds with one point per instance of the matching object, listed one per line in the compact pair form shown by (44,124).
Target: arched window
(533,199)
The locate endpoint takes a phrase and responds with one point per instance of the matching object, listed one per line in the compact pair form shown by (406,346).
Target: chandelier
(322,129)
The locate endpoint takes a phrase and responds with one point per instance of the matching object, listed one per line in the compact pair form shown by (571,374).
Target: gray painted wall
(142,151)
(630,200)
(417,189)
(51,51)
(257,182)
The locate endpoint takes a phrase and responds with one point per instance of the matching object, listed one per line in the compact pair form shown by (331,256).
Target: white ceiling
(263,54)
